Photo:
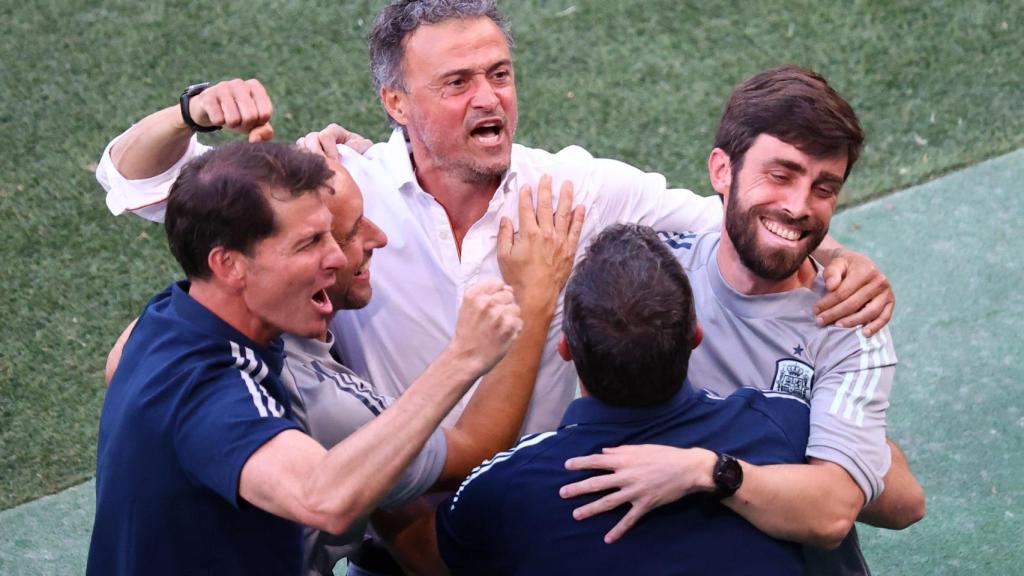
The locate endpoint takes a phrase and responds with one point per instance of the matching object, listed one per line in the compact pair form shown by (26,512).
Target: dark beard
(770,264)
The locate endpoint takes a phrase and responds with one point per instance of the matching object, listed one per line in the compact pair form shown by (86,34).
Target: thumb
(261,133)
(834,273)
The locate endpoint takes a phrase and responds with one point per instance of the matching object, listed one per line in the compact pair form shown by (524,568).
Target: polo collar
(590,410)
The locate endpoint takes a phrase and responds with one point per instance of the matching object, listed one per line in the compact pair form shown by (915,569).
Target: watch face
(728,474)
(731,474)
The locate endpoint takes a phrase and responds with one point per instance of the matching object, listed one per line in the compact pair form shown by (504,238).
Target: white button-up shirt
(419,278)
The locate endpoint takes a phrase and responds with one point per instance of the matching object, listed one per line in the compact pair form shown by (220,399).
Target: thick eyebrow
(799,169)
(469,71)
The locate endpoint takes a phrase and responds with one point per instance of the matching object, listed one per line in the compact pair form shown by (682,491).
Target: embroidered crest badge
(793,377)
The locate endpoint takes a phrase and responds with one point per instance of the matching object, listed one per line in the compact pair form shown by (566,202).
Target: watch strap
(186,114)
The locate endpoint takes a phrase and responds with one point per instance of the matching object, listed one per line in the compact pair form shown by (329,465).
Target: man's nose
(484,95)
(334,258)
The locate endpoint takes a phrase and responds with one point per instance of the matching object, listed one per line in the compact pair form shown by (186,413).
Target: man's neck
(465,202)
(745,281)
(231,309)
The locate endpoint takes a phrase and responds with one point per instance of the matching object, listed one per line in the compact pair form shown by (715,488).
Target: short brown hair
(796,106)
(629,318)
(220,198)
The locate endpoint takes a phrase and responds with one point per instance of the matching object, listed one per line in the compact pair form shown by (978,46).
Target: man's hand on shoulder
(325,142)
(645,476)
(859,294)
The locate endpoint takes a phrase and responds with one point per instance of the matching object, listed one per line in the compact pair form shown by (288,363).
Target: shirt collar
(590,410)
(797,301)
(399,152)
(206,321)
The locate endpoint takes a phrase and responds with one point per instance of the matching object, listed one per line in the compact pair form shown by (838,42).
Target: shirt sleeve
(627,194)
(221,421)
(466,524)
(146,197)
(848,410)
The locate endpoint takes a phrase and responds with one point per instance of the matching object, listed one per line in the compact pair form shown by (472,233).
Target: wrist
(462,363)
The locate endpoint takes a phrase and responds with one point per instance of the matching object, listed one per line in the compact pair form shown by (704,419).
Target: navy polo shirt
(507,517)
(191,400)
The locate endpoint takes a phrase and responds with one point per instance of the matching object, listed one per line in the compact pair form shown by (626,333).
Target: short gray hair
(401,17)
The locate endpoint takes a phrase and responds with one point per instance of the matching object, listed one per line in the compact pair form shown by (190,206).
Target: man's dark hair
(796,106)
(220,198)
(399,18)
(629,318)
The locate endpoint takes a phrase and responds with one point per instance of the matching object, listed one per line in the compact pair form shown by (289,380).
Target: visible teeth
(780,231)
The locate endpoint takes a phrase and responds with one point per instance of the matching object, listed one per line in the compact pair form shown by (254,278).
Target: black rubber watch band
(186,116)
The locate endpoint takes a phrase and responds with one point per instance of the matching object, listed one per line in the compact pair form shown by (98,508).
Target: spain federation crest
(793,377)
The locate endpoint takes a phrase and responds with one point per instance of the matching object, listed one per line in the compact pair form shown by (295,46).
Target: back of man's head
(796,106)
(401,17)
(222,199)
(629,318)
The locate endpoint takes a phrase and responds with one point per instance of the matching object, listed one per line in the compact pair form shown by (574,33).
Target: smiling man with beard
(785,146)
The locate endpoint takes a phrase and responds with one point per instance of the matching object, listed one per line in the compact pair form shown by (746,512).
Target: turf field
(937,85)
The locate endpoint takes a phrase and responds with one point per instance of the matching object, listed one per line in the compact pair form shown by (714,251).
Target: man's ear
(698,336)
(563,348)
(720,171)
(228,266)
(395,104)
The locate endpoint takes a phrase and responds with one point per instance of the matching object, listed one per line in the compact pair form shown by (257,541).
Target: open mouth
(488,131)
(784,232)
(322,302)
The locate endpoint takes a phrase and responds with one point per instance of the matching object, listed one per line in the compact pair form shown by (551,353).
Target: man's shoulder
(692,249)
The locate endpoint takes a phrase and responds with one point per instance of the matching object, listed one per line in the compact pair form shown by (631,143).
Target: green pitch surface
(952,251)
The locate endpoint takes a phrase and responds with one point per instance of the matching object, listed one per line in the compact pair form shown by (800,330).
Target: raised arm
(137,168)
(294,477)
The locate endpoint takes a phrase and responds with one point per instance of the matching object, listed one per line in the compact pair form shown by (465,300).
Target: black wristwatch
(186,116)
(727,475)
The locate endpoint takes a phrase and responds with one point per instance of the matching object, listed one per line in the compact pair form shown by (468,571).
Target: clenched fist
(487,325)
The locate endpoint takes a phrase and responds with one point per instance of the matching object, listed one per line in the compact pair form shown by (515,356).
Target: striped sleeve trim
(858,388)
(500,457)
(253,371)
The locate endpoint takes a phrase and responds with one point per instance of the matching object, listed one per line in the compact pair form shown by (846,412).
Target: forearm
(494,416)
(294,477)
(902,503)
(813,503)
(358,472)
(152,146)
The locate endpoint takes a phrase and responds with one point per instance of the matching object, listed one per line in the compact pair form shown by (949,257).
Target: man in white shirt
(441,186)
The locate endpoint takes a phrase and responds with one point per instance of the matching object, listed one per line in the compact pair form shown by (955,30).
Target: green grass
(937,85)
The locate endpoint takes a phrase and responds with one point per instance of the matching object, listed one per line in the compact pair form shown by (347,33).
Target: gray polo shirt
(330,403)
(771,342)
